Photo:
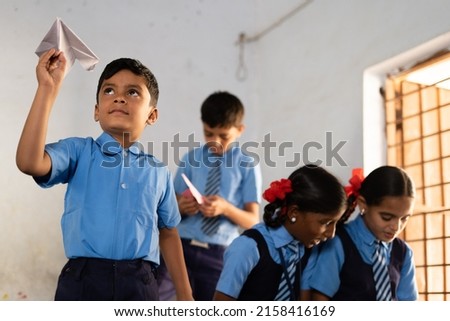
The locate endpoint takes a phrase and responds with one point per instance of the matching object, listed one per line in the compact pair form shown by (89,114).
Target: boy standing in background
(230,182)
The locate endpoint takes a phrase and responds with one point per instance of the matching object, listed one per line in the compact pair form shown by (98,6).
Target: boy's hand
(213,205)
(51,68)
(187,204)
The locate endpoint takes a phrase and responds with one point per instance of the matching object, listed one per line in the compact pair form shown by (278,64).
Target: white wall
(311,67)
(304,79)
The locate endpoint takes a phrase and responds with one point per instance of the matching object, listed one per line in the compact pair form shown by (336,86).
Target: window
(417,109)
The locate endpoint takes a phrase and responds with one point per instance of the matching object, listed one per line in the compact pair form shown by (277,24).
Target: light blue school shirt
(240,184)
(242,256)
(325,276)
(116,200)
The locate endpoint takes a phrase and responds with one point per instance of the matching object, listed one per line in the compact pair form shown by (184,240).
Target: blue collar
(281,237)
(365,234)
(109,146)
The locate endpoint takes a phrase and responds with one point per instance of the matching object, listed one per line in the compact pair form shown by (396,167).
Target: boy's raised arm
(31,157)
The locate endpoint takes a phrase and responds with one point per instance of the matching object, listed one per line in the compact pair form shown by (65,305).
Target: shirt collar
(365,234)
(109,146)
(281,237)
(212,157)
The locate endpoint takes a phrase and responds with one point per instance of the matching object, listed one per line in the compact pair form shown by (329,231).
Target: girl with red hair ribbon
(346,268)
(265,262)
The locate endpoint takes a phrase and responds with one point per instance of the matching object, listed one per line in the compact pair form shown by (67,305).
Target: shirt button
(123,185)
(125,153)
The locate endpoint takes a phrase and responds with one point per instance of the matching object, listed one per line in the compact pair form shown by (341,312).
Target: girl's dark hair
(313,190)
(137,68)
(380,183)
(386,181)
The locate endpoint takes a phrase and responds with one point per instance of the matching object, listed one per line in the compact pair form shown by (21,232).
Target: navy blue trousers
(204,266)
(91,279)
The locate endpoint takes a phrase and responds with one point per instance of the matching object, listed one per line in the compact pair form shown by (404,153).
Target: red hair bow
(355,182)
(277,190)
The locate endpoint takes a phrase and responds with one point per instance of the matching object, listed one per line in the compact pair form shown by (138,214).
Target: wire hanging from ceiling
(242,72)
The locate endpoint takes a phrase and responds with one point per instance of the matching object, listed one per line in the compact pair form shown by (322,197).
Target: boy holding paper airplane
(212,217)
(120,209)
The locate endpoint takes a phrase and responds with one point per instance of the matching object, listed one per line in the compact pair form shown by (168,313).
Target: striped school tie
(211,224)
(288,276)
(381,274)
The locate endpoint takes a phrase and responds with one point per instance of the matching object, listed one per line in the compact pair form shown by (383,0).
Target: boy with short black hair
(230,182)
(117,215)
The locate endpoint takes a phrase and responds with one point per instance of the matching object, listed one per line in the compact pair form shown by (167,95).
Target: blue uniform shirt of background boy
(116,199)
(325,276)
(242,256)
(240,183)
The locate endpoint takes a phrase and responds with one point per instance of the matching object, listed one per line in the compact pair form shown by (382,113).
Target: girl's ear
(96,113)
(153,116)
(293,213)
(362,204)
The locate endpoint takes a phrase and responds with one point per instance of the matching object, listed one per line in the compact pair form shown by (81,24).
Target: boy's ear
(241,128)
(153,116)
(96,113)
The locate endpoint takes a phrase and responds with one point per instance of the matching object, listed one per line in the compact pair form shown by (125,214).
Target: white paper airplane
(63,38)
